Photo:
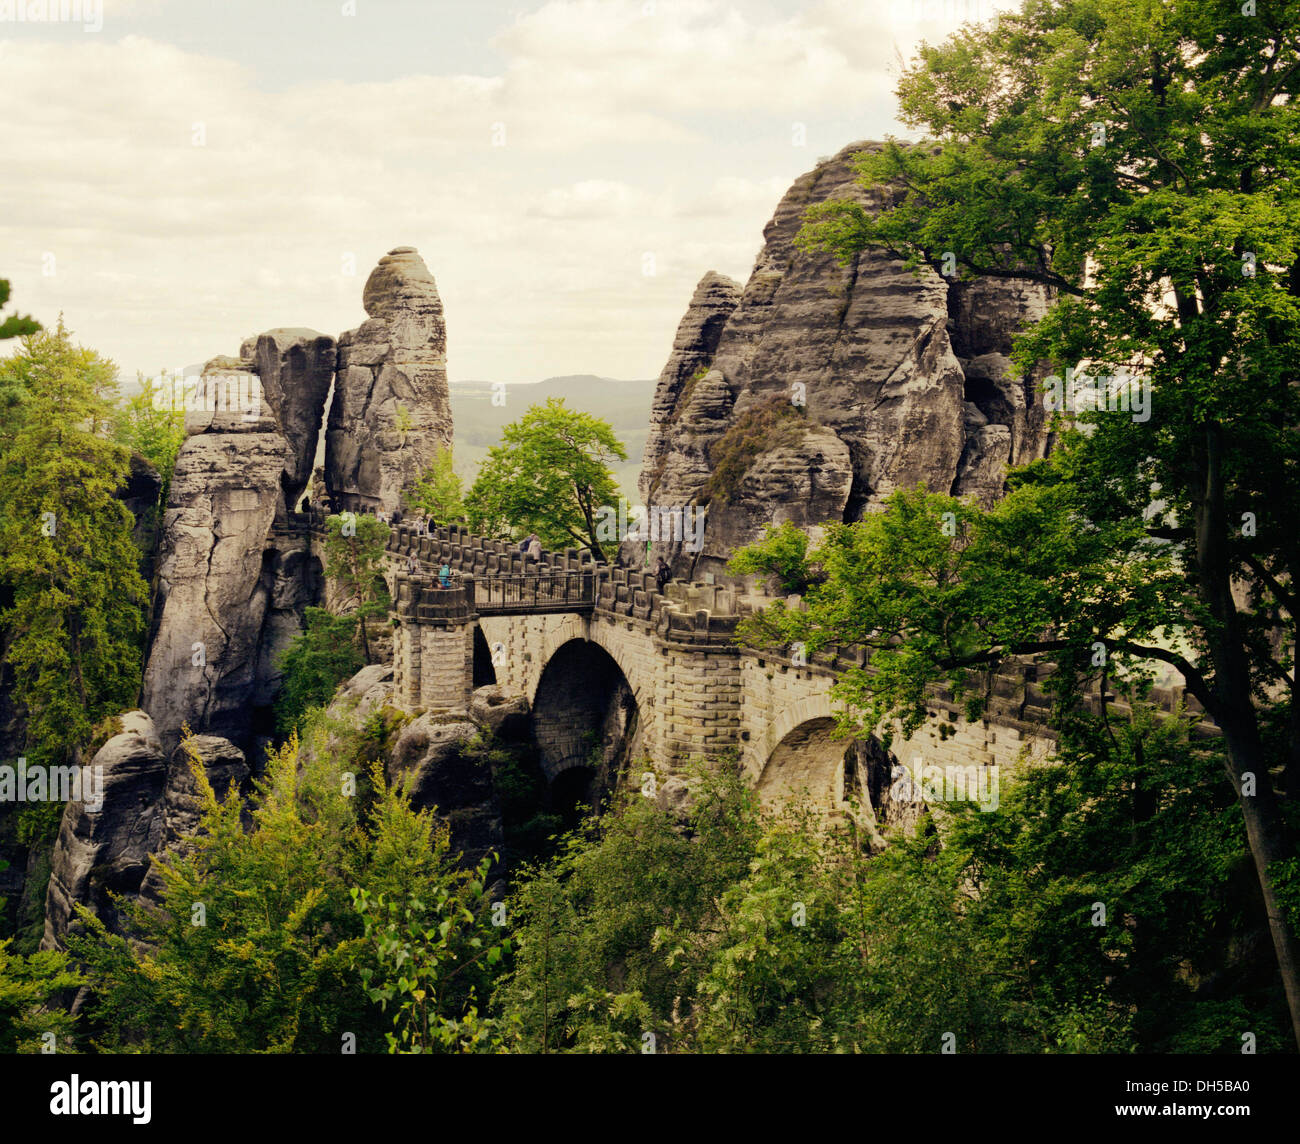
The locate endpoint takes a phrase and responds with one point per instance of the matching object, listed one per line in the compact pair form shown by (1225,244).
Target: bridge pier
(434,647)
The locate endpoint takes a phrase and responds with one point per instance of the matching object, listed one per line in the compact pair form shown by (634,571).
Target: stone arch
(585,717)
(809,761)
(557,632)
(811,707)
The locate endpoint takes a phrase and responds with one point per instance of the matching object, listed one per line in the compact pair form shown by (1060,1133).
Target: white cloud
(620,134)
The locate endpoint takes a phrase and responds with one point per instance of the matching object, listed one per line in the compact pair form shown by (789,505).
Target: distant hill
(624,404)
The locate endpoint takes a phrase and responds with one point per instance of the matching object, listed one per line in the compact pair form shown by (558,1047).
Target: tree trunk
(1234,711)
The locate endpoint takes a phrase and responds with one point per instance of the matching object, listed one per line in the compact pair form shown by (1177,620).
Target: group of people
(444,573)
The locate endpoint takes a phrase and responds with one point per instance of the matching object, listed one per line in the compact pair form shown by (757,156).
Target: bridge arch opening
(832,773)
(586,723)
(485,673)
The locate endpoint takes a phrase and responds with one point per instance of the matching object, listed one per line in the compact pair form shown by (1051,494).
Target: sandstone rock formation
(212,591)
(823,387)
(391,411)
(296,368)
(438,773)
(179,809)
(106,850)
(232,586)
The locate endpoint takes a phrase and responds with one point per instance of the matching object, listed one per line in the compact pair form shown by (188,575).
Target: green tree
(782,553)
(438,494)
(424,940)
(314,664)
(611,935)
(14,325)
(29,1000)
(354,557)
(550,475)
(147,423)
(276,958)
(72,609)
(1141,161)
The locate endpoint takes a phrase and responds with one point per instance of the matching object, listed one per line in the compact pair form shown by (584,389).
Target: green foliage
(14,325)
(780,932)
(770,425)
(72,601)
(354,557)
(782,552)
(148,424)
(29,1000)
(550,475)
(623,909)
(434,959)
(314,664)
(277,960)
(1142,161)
(438,494)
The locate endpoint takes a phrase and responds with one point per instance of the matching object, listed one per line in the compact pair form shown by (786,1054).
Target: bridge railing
(533,591)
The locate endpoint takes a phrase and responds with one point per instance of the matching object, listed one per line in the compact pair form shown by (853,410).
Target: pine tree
(72,609)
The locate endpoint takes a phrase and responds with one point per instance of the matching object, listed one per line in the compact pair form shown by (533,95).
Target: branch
(1196,683)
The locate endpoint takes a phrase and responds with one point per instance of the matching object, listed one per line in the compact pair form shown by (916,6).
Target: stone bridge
(612,666)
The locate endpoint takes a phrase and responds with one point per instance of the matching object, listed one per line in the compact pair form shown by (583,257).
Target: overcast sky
(195,171)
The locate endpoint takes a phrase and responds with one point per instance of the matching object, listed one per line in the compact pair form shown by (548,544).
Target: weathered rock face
(296,367)
(391,411)
(105,850)
(876,367)
(715,298)
(232,587)
(214,569)
(179,810)
(140,495)
(430,758)
(505,716)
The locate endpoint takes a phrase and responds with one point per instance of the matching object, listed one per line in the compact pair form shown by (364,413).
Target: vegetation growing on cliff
(438,494)
(773,423)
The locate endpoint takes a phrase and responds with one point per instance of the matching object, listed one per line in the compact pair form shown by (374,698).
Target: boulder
(227,771)
(438,773)
(105,849)
(502,715)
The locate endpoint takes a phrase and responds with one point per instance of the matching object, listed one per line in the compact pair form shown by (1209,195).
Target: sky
(177,175)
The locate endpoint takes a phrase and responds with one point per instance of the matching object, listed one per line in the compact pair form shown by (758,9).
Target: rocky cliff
(236,571)
(392,409)
(819,388)
(234,578)
(221,592)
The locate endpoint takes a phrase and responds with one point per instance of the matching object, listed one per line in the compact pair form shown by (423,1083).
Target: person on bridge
(444,576)
(662,574)
(534,547)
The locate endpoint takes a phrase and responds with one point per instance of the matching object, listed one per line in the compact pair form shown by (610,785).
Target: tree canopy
(1139,159)
(550,475)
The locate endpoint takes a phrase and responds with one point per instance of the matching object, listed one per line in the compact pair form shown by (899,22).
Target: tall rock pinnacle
(819,388)
(391,411)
